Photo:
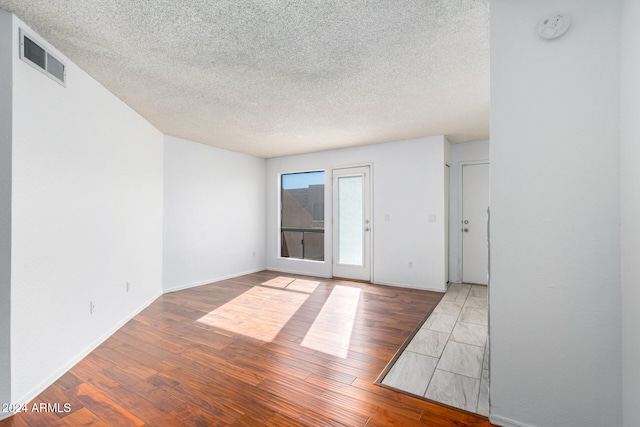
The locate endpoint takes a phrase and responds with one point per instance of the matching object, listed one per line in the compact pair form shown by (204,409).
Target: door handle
(466,230)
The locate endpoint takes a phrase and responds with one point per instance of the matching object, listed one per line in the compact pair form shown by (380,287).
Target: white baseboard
(35,391)
(301,273)
(375,282)
(208,281)
(404,285)
(506,422)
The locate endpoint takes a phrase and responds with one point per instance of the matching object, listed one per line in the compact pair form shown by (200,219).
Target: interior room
(139,178)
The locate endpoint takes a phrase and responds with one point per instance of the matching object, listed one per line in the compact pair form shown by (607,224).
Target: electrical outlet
(410,264)
(128,286)
(92,307)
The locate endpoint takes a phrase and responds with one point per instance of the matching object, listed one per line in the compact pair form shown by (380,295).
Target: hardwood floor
(262,349)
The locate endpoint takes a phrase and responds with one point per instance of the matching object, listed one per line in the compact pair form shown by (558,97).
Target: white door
(475,202)
(352,223)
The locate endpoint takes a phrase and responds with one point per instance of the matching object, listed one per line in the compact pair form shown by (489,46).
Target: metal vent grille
(39,58)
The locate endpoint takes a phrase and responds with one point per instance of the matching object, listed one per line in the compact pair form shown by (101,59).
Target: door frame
(460,204)
(371,217)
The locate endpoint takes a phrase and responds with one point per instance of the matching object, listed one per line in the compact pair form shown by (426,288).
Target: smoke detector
(553,27)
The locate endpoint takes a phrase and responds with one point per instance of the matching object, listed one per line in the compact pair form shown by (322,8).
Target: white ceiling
(275,77)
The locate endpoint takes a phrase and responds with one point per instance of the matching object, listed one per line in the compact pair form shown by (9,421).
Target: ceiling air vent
(38,57)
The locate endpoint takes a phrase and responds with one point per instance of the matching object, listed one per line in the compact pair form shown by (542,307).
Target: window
(36,56)
(302,216)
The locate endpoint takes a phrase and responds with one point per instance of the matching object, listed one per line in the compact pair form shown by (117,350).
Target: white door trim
(460,218)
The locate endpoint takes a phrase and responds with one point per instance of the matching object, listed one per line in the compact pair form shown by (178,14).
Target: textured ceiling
(275,77)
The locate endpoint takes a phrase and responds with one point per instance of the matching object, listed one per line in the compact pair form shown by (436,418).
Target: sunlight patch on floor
(300,285)
(331,330)
(289,283)
(259,313)
(279,282)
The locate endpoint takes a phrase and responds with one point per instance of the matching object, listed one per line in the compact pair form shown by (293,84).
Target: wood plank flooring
(249,352)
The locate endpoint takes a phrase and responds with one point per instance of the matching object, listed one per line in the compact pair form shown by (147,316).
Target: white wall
(555,206)
(630,195)
(408,185)
(86,219)
(214,214)
(6,41)
(460,153)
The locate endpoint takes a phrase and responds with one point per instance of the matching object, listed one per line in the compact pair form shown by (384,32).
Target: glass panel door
(350,220)
(352,223)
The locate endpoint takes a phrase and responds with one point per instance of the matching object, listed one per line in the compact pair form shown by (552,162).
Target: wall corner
(6,75)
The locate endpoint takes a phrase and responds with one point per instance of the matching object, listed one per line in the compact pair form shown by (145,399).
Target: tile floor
(447,359)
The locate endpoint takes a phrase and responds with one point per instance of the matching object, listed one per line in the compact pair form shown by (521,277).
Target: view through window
(302,215)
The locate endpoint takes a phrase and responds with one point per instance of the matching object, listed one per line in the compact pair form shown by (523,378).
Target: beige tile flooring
(447,359)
